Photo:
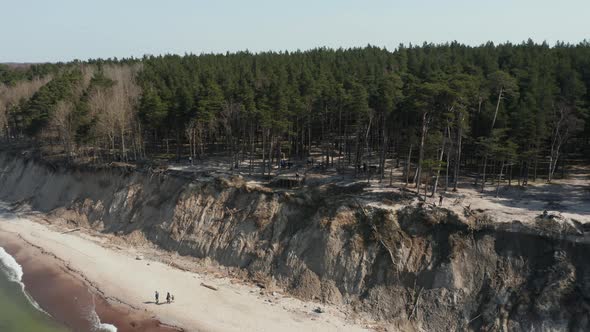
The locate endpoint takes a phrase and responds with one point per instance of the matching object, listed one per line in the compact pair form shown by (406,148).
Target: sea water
(18,311)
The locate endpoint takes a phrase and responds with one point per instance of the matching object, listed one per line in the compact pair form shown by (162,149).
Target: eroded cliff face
(420,267)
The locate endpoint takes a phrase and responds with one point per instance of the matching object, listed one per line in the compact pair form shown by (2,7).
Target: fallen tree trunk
(209,286)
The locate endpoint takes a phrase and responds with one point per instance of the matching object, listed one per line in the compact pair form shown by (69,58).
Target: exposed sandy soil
(124,278)
(568,197)
(315,243)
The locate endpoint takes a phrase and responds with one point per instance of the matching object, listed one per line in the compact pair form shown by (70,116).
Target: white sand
(120,276)
(569,197)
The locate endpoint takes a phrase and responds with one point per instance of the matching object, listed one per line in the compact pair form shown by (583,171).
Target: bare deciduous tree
(11,95)
(103,111)
(567,124)
(115,108)
(125,94)
(192,133)
(62,122)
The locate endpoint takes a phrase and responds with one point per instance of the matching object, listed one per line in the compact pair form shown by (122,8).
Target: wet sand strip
(68,298)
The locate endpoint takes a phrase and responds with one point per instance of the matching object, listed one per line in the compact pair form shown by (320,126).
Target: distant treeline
(506,108)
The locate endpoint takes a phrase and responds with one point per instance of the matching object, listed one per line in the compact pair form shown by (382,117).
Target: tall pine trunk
(483,180)
(485,161)
(442,151)
(383,148)
(408,165)
(500,178)
(421,150)
(263,155)
(458,153)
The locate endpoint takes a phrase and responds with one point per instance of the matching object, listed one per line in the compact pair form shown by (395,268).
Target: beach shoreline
(66,296)
(125,285)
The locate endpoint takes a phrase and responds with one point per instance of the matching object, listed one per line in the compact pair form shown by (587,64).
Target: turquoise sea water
(18,312)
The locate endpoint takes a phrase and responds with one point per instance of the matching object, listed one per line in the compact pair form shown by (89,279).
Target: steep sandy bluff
(418,267)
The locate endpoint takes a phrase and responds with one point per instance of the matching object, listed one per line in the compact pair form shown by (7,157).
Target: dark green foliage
(9,74)
(152,110)
(501,100)
(36,113)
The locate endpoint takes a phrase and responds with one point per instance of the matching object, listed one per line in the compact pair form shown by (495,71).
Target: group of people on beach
(169,297)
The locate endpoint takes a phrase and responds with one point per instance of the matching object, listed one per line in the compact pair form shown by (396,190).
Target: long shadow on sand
(568,198)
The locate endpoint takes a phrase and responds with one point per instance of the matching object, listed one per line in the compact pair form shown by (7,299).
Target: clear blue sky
(61,30)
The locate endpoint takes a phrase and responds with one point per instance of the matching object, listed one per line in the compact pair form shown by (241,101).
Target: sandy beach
(68,298)
(129,282)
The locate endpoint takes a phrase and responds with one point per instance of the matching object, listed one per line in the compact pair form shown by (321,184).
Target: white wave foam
(14,272)
(97,326)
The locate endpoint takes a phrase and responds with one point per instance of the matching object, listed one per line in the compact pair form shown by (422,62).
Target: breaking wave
(14,272)
(97,326)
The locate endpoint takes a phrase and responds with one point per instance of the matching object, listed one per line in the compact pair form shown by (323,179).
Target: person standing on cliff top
(168,298)
(157,297)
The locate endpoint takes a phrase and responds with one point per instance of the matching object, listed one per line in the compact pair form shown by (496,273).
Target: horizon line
(557,43)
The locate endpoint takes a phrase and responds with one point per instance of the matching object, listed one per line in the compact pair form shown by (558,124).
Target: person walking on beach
(157,297)
(168,298)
